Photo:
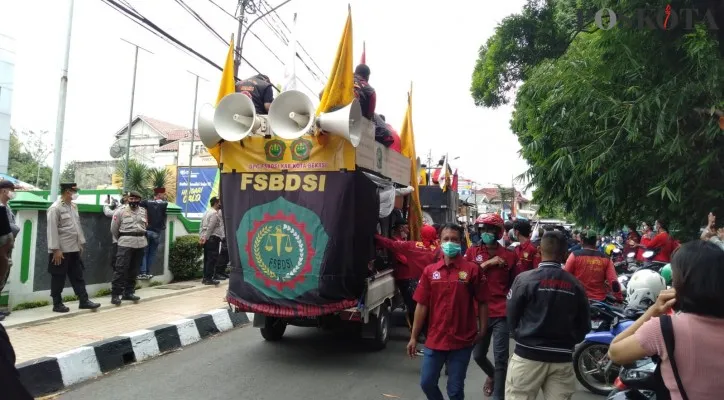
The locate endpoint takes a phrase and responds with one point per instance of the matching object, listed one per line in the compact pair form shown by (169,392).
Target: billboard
(194,190)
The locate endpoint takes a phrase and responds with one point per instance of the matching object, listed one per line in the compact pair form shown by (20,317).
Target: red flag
(363,59)
(454,184)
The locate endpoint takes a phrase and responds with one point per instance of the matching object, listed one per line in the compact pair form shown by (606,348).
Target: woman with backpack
(696,332)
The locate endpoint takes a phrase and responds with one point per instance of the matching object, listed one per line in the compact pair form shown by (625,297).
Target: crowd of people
(535,286)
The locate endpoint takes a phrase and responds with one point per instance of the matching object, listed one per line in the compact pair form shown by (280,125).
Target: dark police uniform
(259,90)
(66,234)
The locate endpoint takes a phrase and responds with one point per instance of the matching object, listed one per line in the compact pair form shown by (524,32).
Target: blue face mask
(488,238)
(451,249)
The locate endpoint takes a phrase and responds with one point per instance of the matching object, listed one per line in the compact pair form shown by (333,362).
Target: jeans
(153,240)
(457,368)
(498,331)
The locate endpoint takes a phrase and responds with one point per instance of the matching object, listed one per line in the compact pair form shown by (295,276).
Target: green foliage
(142,178)
(31,304)
(23,158)
(103,292)
(184,257)
(68,174)
(160,177)
(155,283)
(618,128)
(69,298)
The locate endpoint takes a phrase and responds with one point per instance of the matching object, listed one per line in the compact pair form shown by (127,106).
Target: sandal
(488,387)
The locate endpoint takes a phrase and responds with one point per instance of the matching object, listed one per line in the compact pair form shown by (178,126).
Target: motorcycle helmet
(494,220)
(609,249)
(666,274)
(643,288)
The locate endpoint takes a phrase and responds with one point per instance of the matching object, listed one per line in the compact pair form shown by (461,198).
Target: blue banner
(193,193)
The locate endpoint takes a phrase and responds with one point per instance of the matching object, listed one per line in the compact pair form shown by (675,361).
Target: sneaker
(141,277)
(419,353)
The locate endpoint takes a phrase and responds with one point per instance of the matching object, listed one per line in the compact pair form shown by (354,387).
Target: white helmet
(643,288)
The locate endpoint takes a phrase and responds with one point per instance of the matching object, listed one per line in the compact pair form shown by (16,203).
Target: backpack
(382,132)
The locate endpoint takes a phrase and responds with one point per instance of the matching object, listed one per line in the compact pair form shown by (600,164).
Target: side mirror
(648,253)
(631,255)
(616,251)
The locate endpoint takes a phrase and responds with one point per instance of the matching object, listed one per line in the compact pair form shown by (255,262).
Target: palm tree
(138,174)
(161,177)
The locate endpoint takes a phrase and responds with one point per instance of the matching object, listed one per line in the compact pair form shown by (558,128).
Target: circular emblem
(281,245)
(436,275)
(274,150)
(301,149)
(462,275)
(525,255)
(379,158)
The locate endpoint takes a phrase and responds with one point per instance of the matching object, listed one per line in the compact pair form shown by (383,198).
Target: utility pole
(130,113)
(240,46)
(60,119)
(237,52)
(191,151)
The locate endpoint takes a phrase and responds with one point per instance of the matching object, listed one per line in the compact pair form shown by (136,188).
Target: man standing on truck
(260,90)
(365,93)
(497,264)
(446,297)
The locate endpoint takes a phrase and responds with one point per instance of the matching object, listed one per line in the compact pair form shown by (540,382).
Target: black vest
(254,88)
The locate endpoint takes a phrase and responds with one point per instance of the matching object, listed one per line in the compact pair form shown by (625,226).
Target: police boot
(130,297)
(116,300)
(86,304)
(59,307)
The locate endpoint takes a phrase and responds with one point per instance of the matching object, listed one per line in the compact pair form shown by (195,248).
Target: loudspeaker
(291,115)
(207,132)
(235,117)
(345,122)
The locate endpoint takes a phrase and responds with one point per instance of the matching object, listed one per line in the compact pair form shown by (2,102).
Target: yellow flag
(339,90)
(227,86)
(423,177)
(467,237)
(407,139)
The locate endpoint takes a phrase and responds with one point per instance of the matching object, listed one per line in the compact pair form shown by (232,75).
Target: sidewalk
(39,332)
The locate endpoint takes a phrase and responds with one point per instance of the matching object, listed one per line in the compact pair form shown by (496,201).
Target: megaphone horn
(235,117)
(207,132)
(345,122)
(291,115)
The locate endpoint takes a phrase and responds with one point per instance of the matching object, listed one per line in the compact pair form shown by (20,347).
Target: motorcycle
(637,382)
(591,364)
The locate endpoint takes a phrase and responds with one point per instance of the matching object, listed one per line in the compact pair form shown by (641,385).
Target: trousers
(9,376)
(211,256)
(527,377)
(72,268)
(128,262)
(223,259)
(498,333)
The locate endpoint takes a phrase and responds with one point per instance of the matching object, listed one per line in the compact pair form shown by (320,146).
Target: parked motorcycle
(591,364)
(637,382)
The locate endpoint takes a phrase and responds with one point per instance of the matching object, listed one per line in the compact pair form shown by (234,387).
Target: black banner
(299,242)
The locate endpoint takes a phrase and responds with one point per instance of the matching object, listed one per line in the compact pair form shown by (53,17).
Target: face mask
(515,237)
(451,249)
(11,195)
(488,238)
(133,204)
(74,196)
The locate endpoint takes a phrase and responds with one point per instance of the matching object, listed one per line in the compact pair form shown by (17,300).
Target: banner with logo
(194,194)
(259,154)
(299,242)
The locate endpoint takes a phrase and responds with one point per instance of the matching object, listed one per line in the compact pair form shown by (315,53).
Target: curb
(47,375)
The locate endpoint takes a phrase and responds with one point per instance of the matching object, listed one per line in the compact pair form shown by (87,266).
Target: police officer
(109,209)
(260,90)
(129,229)
(65,247)
(212,228)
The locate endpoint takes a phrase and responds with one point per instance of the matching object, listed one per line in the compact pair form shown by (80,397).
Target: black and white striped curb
(51,374)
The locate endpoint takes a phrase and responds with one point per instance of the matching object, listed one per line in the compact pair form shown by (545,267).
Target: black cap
(6,184)
(213,201)
(69,186)
(134,193)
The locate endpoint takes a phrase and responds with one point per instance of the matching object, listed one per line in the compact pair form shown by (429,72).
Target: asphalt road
(307,365)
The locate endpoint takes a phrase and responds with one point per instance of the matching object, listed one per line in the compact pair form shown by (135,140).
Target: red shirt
(528,257)
(415,255)
(645,240)
(396,143)
(498,278)
(595,271)
(452,294)
(663,242)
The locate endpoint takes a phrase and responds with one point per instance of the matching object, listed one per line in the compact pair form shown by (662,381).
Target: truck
(301,212)
(438,207)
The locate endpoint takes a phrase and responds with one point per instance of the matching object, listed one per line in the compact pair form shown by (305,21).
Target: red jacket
(665,244)
(595,271)
(415,254)
(498,278)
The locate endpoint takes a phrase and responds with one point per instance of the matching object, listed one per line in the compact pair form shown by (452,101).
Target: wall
(7,68)
(201,158)
(91,174)
(29,279)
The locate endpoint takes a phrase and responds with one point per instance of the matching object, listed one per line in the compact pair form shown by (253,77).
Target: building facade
(7,71)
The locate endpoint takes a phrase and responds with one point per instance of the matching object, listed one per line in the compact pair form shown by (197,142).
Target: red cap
(159,190)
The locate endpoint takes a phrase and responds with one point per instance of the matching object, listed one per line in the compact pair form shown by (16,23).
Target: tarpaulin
(299,242)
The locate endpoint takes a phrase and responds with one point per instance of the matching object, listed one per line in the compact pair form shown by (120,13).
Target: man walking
(447,295)
(156,214)
(223,260)
(65,248)
(210,237)
(7,193)
(129,229)
(548,313)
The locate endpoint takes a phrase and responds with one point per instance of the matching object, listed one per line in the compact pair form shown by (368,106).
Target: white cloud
(434,46)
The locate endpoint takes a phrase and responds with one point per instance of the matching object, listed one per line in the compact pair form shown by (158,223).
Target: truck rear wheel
(273,329)
(381,323)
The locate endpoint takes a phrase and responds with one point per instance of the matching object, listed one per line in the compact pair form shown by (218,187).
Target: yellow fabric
(407,139)
(227,86)
(340,86)
(467,237)
(423,177)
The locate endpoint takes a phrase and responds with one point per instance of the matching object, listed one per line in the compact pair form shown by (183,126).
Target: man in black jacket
(260,90)
(548,313)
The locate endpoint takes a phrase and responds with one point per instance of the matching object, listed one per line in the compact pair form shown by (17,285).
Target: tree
(22,164)
(142,178)
(612,122)
(36,145)
(68,174)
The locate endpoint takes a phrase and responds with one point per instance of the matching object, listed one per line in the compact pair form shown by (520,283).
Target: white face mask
(11,195)
(74,196)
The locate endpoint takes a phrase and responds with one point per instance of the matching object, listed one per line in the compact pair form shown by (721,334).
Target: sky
(435,47)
